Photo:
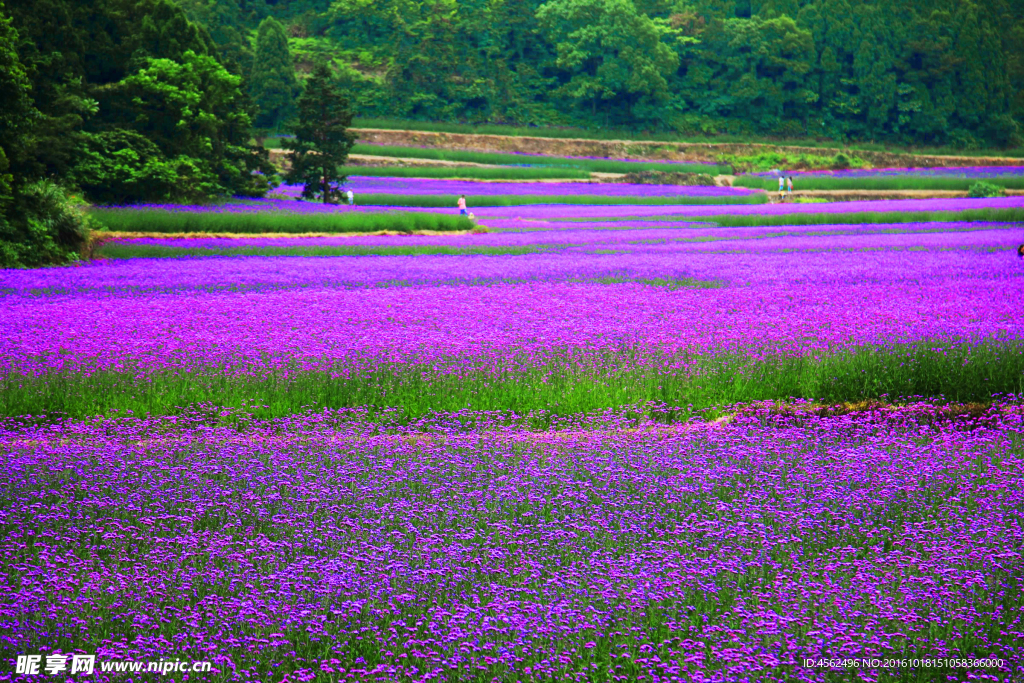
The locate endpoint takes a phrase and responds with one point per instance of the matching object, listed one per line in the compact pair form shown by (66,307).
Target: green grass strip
(130,250)
(255,222)
(501,158)
(1007,215)
(930,368)
(470,172)
(881,183)
(448,201)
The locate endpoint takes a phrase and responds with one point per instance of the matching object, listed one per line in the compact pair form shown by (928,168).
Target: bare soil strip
(104,236)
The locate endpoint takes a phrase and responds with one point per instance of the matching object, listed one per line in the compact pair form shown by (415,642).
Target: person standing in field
(351,198)
(462,205)
(782,187)
(789,185)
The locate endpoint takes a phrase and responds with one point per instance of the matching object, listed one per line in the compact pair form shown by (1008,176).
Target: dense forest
(941,72)
(159,100)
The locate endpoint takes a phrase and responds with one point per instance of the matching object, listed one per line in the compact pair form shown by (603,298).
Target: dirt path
(100,236)
(654,151)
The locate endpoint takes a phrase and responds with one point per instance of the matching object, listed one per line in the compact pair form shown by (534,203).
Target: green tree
(322,140)
(609,50)
(272,84)
(122,167)
(16,110)
(39,224)
(227,22)
(194,111)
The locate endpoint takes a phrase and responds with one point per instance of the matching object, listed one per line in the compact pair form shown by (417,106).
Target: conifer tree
(322,141)
(272,84)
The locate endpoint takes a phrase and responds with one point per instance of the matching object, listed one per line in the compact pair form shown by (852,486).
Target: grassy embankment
(505,159)
(930,368)
(626,134)
(880,183)
(256,222)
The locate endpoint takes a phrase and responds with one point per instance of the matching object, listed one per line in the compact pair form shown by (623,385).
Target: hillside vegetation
(935,72)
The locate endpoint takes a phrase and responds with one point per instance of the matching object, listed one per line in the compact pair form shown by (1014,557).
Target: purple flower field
(621,234)
(879,287)
(554,212)
(327,548)
(638,449)
(419,186)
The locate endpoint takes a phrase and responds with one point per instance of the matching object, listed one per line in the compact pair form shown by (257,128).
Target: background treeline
(919,72)
(124,100)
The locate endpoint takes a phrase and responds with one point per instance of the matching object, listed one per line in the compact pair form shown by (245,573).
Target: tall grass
(255,222)
(471,172)
(499,158)
(880,183)
(929,368)
(1009,215)
(449,200)
(129,250)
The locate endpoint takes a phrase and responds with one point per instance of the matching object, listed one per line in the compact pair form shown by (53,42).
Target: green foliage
(255,222)
(15,109)
(986,189)
(322,141)
(841,161)
(937,72)
(131,101)
(190,110)
(766,161)
(609,50)
(273,85)
(39,223)
(122,167)
(227,22)
(50,227)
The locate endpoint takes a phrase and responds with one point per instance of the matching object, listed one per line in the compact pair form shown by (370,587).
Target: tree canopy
(322,140)
(125,89)
(918,72)
(272,82)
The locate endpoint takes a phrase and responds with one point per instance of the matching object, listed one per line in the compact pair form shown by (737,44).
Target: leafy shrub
(122,167)
(50,227)
(984,189)
(664,178)
(840,161)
